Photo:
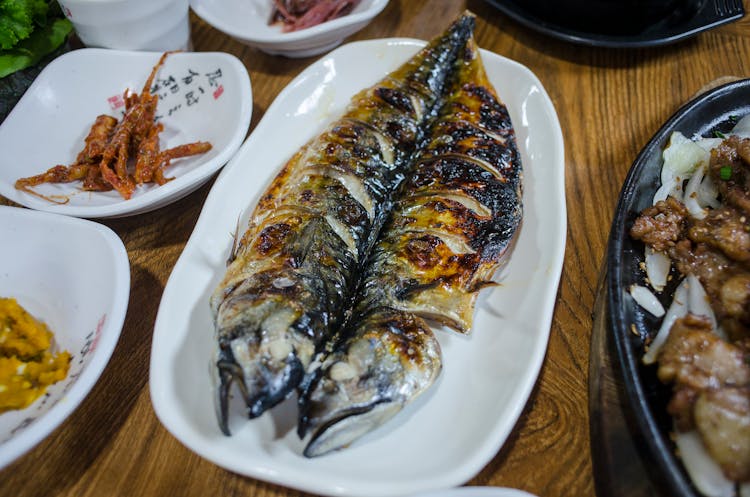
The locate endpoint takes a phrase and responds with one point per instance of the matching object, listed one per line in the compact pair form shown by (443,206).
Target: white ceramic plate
(247,21)
(74,275)
(476,492)
(451,432)
(202,97)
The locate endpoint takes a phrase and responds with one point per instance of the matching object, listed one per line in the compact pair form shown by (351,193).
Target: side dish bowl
(248,22)
(647,398)
(73,275)
(202,97)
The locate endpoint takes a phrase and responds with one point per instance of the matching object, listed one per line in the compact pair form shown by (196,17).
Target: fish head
(390,359)
(263,347)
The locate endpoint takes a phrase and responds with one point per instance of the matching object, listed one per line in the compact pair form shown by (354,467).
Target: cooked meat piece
(722,417)
(732,153)
(694,356)
(696,359)
(680,407)
(735,298)
(711,267)
(662,225)
(724,280)
(725,229)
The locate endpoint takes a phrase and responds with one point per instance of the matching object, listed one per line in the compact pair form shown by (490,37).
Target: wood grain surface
(609,103)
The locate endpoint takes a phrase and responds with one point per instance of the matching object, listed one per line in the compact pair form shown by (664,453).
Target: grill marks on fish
(454,218)
(294,271)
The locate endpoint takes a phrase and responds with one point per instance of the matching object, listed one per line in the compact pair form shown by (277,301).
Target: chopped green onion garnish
(719,134)
(725,172)
(733,119)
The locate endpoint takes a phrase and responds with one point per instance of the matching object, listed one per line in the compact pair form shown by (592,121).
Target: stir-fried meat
(724,229)
(722,417)
(662,225)
(716,249)
(710,375)
(735,297)
(729,168)
(727,283)
(696,360)
(711,267)
(695,357)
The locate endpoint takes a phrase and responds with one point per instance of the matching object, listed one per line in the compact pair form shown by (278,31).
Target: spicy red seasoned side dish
(120,154)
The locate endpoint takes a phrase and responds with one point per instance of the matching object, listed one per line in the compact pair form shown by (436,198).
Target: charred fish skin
(453,221)
(293,272)
(458,214)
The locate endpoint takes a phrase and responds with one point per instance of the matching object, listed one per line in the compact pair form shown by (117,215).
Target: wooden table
(609,103)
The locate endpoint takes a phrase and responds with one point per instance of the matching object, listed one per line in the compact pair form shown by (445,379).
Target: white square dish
(202,97)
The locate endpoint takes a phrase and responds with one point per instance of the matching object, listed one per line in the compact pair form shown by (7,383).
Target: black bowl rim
(626,343)
(705,19)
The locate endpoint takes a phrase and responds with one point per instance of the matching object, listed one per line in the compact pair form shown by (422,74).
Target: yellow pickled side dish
(27,366)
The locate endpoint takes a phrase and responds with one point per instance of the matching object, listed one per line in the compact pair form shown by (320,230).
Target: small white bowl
(73,275)
(202,97)
(247,21)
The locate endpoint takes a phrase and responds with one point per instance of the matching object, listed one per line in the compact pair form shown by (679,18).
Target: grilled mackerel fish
(293,272)
(453,221)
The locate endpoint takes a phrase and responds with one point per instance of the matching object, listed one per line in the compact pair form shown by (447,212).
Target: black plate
(678,26)
(713,111)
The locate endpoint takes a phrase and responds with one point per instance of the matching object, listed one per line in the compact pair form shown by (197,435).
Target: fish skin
(292,274)
(390,359)
(454,220)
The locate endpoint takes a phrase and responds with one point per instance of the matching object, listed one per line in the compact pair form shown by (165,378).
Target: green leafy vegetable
(31,50)
(29,30)
(18,18)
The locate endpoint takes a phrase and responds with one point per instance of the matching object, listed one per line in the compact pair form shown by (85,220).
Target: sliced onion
(691,198)
(647,300)
(671,185)
(708,144)
(670,188)
(657,268)
(678,309)
(708,193)
(742,128)
(698,302)
(703,470)
(683,155)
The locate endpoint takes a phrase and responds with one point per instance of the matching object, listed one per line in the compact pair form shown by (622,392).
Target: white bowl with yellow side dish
(72,276)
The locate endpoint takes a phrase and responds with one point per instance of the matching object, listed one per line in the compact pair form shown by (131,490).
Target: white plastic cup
(149,25)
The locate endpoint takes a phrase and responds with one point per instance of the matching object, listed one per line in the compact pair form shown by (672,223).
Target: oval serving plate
(712,111)
(487,377)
